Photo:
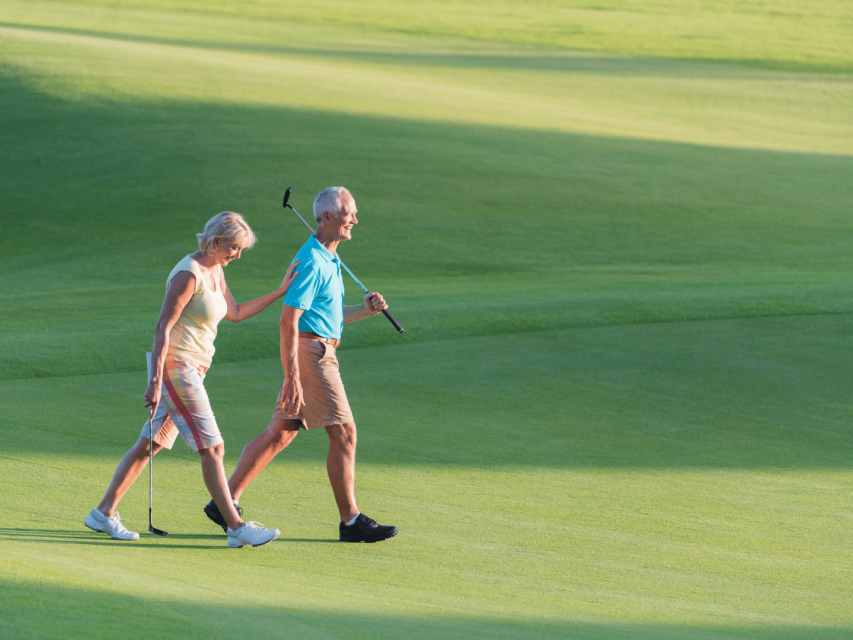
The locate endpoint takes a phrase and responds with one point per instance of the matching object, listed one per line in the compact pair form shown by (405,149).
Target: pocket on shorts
(330,357)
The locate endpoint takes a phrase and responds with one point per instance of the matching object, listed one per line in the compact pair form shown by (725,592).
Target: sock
(352,522)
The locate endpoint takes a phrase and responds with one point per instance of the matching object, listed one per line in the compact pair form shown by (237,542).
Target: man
(312,394)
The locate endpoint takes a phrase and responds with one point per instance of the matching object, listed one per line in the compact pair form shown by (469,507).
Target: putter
(151,527)
(363,288)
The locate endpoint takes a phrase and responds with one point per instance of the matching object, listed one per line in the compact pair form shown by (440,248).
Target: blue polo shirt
(318,290)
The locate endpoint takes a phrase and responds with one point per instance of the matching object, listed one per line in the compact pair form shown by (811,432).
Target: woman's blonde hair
(229,226)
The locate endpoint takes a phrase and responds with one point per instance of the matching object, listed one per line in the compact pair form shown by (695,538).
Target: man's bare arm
(291,398)
(244,310)
(373,304)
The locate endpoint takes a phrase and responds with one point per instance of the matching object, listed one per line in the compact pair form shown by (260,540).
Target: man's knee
(343,435)
(281,433)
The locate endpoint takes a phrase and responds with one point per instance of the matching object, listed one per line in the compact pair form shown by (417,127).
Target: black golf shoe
(212,512)
(366,530)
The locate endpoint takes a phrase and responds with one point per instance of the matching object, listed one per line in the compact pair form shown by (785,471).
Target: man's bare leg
(259,453)
(132,464)
(340,464)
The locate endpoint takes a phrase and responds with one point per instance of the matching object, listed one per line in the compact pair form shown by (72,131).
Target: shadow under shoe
(365,529)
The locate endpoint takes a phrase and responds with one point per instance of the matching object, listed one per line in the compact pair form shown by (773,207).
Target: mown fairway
(618,236)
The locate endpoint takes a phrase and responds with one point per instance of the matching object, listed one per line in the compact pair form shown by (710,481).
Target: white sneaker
(251,533)
(97,521)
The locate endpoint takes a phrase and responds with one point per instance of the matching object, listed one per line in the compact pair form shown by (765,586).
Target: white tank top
(192,335)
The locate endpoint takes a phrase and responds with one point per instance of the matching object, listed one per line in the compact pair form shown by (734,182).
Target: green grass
(784,34)
(618,237)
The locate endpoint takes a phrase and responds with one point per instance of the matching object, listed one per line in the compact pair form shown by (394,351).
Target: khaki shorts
(322,388)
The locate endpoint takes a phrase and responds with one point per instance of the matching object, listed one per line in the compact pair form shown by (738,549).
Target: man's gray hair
(331,200)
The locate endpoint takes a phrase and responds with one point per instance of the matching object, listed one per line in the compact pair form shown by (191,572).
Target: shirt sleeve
(303,290)
(190,268)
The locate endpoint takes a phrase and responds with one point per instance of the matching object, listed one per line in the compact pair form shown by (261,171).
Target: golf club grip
(394,322)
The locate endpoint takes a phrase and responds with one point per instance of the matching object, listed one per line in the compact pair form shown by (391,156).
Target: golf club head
(286,197)
(153,529)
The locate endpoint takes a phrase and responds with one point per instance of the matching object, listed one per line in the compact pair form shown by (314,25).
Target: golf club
(151,527)
(363,288)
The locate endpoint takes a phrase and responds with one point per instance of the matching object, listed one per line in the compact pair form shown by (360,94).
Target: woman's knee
(141,448)
(217,451)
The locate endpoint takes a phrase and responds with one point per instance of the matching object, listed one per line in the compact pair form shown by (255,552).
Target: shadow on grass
(44,610)
(750,394)
(558,59)
(94,538)
(633,203)
(711,395)
(663,208)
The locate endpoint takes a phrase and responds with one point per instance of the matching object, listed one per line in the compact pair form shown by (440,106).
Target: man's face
(345,221)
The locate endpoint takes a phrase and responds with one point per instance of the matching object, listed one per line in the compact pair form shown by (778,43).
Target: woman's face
(224,251)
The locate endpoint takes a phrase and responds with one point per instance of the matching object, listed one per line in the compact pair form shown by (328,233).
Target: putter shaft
(151,527)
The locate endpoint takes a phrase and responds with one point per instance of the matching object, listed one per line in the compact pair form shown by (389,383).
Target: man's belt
(314,336)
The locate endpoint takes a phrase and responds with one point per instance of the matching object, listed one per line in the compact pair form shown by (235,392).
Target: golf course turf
(618,238)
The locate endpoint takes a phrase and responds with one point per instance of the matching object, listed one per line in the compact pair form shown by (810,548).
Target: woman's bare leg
(132,464)
(213,471)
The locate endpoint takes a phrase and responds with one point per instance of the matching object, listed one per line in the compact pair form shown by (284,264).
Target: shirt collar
(323,251)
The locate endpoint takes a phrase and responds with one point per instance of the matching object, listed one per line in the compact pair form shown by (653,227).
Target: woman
(197,298)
